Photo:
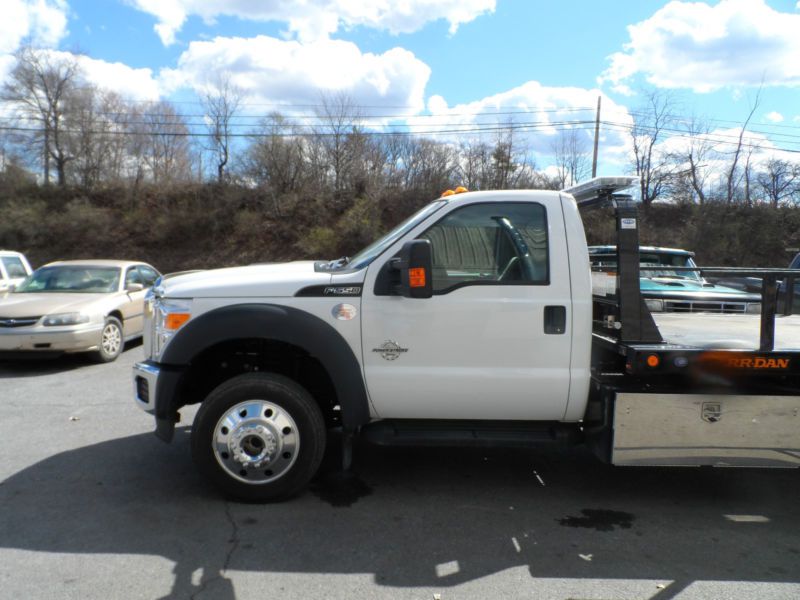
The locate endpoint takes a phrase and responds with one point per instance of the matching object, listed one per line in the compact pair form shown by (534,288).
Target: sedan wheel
(111,342)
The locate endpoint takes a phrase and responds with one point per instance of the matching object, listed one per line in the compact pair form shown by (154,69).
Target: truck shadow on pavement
(433,518)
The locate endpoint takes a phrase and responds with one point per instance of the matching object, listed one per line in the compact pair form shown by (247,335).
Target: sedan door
(133,309)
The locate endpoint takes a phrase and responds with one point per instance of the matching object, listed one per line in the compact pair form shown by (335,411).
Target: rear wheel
(259,437)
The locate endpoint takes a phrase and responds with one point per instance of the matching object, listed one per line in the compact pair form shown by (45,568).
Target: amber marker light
(176,320)
(653,360)
(460,190)
(447,193)
(416,278)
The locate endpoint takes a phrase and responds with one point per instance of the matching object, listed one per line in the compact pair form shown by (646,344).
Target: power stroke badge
(390,350)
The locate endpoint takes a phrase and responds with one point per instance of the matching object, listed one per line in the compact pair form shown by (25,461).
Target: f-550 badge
(390,350)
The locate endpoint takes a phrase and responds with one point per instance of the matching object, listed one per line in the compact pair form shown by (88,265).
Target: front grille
(714,307)
(18,321)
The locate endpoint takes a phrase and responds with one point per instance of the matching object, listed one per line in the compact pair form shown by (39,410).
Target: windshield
(376,248)
(660,263)
(71,279)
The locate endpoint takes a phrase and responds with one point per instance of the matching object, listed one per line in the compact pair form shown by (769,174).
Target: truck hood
(267,280)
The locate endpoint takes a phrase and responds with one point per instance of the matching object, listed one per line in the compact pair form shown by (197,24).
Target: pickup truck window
(376,248)
(497,243)
(14,267)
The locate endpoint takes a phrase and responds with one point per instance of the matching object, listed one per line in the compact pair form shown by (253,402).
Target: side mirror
(416,269)
(134,287)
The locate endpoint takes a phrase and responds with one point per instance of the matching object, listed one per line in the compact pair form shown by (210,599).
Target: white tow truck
(471,323)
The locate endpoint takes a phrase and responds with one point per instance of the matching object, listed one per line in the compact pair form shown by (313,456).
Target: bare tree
(779,180)
(339,118)
(572,154)
(652,166)
(221,104)
(732,175)
(162,144)
(115,142)
(275,159)
(85,145)
(475,164)
(691,161)
(40,86)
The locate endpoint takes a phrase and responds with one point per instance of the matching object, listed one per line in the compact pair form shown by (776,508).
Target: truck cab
(14,268)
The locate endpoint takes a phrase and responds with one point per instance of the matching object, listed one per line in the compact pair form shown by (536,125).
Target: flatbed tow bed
(689,389)
(718,331)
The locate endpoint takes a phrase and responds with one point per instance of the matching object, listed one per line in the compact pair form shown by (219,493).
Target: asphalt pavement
(92,505)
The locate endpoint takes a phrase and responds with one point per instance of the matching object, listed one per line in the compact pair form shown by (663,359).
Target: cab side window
(14,267)
(490,244)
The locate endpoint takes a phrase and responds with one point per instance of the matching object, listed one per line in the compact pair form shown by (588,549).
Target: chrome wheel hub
(253,445)
(256,441)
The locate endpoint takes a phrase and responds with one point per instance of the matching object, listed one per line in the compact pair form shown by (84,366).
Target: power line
(489,129)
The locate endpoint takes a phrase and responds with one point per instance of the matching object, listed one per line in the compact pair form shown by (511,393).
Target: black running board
(481,434)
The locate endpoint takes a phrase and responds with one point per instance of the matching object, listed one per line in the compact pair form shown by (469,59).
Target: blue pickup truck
(666,289)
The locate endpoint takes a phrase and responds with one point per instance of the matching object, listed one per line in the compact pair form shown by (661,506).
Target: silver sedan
(76,306)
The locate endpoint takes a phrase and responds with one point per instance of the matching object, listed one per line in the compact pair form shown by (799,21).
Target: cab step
(480,434)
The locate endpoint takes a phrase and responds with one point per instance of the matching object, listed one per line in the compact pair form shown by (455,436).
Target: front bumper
(41,339)
(156,391)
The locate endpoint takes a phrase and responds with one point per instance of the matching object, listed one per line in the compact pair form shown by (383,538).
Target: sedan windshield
(71,279)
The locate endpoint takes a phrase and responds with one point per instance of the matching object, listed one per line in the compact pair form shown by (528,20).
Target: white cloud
(315,19)
(135,84)
(43,22)
(131,83)
(270,70)
(538,114)
(774,117)
(704,48)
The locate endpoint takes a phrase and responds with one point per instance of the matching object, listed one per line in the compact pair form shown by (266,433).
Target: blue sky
(444,60)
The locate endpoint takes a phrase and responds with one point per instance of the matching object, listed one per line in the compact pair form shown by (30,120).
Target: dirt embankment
(208,226)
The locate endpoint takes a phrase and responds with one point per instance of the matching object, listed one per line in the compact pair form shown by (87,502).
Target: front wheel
(259,437)
(111,342)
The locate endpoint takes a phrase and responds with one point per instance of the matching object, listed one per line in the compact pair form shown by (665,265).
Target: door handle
(555,319)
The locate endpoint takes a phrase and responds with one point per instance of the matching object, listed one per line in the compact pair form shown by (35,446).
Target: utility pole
(596,138)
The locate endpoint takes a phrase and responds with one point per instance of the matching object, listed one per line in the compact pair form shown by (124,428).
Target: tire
(259,437)
(111,342)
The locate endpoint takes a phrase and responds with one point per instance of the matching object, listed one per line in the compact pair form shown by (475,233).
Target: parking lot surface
(92,505)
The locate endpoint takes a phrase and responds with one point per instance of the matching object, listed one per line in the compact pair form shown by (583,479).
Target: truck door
(494,340)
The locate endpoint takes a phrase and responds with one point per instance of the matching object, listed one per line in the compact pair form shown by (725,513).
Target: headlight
(754,308)
(72,318)
(654,305)
(169,315)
